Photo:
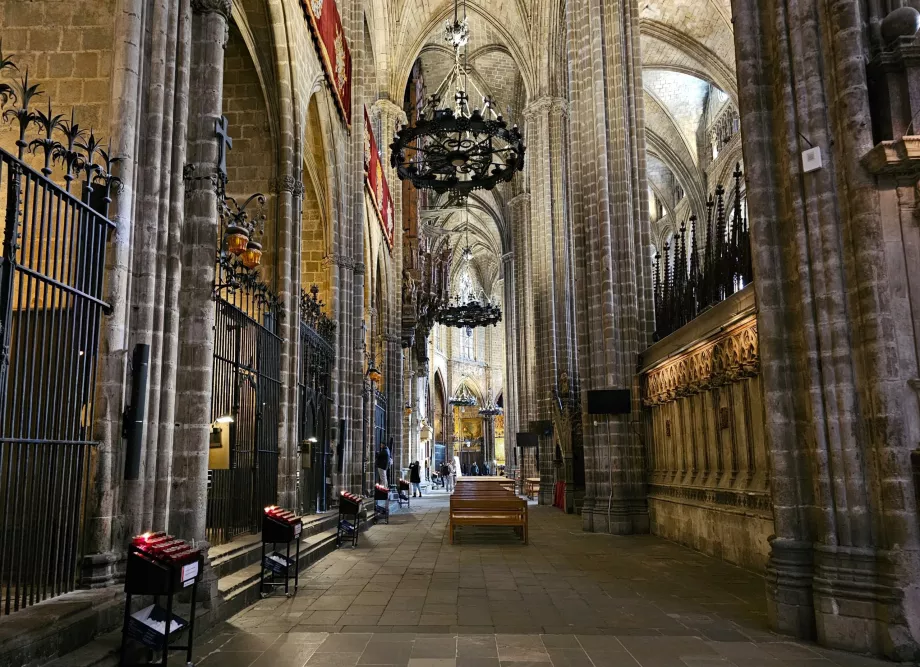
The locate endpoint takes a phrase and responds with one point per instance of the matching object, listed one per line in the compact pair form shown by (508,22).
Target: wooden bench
(488,509)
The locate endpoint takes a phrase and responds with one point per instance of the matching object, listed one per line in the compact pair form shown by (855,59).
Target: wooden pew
(487,505)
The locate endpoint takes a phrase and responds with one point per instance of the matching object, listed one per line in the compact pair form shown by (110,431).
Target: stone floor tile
(320,618)
(478,662)
(250,642)
(434,648)
(221,659)
(560,641)
(333,659)
(431,662)
(347,644)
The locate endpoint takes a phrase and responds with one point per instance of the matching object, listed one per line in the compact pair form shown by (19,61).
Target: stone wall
(707,462)
(66,47)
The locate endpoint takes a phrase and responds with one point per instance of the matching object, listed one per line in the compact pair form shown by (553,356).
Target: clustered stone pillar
(196,307)
(551,268)
(612,251)
(841,420)
(510,317)
(523,332)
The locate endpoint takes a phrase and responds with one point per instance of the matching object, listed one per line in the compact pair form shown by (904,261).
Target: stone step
(237,591)
(229,586)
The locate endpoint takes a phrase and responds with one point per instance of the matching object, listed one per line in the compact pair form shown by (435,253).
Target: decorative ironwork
(463,397)
(52,269)
(455,149)
(233,277)
(317,359)
(469,314)
(311,314)
(692,279)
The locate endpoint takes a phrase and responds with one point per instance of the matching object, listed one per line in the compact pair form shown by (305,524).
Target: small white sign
(811,159)
(297,528)
(189,571)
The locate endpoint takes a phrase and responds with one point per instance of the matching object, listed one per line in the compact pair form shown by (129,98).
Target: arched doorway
(440,422)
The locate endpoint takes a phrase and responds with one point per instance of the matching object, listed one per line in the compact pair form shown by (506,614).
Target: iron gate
(317,358)
(245,409)
(51,272)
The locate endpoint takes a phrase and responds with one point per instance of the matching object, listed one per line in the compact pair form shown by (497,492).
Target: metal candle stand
(280,526)
(349,519)
(381,493)
(402,495)
(159,565)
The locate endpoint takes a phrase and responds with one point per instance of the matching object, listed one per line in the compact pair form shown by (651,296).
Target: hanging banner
(377,183)
(326,27)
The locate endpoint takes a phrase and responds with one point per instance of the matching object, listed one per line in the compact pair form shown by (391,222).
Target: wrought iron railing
(51,302)
(317,358)
(689,278)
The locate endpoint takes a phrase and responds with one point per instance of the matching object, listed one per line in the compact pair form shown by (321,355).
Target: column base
(98,570)
(545,495)
(862,604)
(587,514)
(619,517)
(790,607)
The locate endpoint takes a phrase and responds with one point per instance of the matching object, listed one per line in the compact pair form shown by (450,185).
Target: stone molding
(222,7)
(727,357)
(520,200)
(895,158)
(748,501)
(340,259)
(508,257)
(287,184)
(548,104)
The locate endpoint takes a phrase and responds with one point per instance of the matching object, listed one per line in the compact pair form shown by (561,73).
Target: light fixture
(372,373)
(237,238)
(454,149)
(407,408)
(225,419)
(463,397)
(252,256)
(312,439)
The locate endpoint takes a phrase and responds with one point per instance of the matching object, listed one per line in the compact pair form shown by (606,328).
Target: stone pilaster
(611,249)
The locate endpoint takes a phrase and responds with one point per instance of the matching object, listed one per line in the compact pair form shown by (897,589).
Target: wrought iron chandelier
(469,314)
(463,397)
(490,409)
(454,149)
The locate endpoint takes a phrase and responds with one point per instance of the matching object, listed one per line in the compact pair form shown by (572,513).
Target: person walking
(444,473)
(451,477)
(415,478)
(383,464)
(474,470)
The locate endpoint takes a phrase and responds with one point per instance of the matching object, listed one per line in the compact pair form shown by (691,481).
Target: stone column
(525,367)
(510,315)
(611,249)
(104,474)
(840,423)
(196,305)
(398,422)
(550,261)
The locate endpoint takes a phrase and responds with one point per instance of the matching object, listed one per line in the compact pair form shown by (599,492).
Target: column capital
(222,7)
(390,109)
(547,104)
(508,257)
(522,199)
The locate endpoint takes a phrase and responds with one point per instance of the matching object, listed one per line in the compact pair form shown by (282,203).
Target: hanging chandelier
(469,314)
(490,409)
(453,149)
(465,311)
(463,397)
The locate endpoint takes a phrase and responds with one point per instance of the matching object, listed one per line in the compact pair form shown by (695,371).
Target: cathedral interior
(650,266)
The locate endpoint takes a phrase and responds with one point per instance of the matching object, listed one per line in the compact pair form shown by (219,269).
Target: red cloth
(334,53)
(376,182)
(559,496)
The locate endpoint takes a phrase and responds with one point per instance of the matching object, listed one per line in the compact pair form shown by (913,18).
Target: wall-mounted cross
(226,143)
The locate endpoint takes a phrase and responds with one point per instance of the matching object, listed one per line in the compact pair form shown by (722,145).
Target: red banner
(326,26)
(376,182)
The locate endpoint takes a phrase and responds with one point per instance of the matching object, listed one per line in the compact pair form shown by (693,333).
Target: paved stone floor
(406,597)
